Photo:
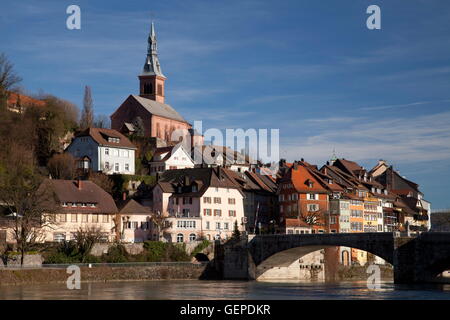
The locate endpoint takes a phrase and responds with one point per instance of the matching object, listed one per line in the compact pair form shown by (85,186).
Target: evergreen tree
(236,233)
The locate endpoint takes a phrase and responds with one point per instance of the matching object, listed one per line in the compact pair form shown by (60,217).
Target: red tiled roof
(14,97)
(300,178)
(68,191)
(100,135)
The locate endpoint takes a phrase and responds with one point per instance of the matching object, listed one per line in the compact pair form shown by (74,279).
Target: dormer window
(64,204)
(194,188)
(113,140)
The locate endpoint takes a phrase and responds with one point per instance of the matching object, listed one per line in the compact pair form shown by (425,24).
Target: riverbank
(103,274)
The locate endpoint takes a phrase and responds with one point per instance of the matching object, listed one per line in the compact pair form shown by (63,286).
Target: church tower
(151,80)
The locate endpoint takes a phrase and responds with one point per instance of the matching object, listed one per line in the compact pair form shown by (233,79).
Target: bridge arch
(271,251)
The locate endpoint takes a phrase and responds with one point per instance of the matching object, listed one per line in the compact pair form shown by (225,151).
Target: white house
(199,202)
(103,150)
(213,156)
(170,158)
(135,221)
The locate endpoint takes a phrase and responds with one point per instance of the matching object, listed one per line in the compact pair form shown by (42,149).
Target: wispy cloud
(405,105)
(417,139)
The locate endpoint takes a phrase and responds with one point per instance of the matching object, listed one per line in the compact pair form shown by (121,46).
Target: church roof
(159,109)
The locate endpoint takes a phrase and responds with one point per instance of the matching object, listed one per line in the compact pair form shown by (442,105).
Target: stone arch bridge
(418,259)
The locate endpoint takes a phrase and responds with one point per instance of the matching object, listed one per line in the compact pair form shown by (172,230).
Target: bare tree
(102,180)
(85,240)
(139,128)
(62,166)
(29,205)
(8,78)
(102,121)
(87,114)
(161,223)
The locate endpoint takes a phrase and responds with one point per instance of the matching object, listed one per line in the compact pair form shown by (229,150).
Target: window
(313,207)
(217,212)
(232,213)
(84,218)
(107,151)
(206,212)
(106,165)
(73,217)
(116,167)
(127,167)
(207,225)
(207,200)
(217,225)
(217,200)
(62,217)
(187,200)
(95,218)
(192,237)
(231,201)
(312,196)
(180,237)
(332,220)
(105,218)
(225,226)
(186,212)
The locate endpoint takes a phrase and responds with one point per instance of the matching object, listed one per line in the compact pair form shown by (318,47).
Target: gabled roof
(167,152)
(158,109)
(100,135)
(228,155)
(204,178)
(131,206)
(69,191)
(300,177)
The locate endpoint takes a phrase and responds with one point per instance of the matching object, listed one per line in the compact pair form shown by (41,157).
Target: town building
(134,221)
(415,210)
(213,156)
(170,158)
(78,205)
(260,201)
(103,150)
(301,195)
(18,103)
(199,203)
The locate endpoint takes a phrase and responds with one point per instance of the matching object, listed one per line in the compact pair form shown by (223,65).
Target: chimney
(124,196)
(79,184)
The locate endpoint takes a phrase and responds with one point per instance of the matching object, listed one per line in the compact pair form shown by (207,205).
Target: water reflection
(198,290)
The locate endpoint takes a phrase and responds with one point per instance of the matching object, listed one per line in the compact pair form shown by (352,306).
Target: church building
(158,119)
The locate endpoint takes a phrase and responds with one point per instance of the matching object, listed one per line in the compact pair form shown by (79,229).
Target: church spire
(152,66)
(151,80)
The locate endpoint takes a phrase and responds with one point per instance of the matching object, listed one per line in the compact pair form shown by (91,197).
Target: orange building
(303,196)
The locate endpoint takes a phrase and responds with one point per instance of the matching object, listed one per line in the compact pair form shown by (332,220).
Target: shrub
(200,247)
(116,253)
(157,251)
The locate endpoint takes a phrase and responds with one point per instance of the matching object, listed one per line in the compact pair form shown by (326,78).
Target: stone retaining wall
(104,273)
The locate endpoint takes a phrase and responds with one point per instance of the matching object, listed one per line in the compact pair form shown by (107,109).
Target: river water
(198,290)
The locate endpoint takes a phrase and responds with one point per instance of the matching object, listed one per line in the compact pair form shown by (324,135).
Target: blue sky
(310,68)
